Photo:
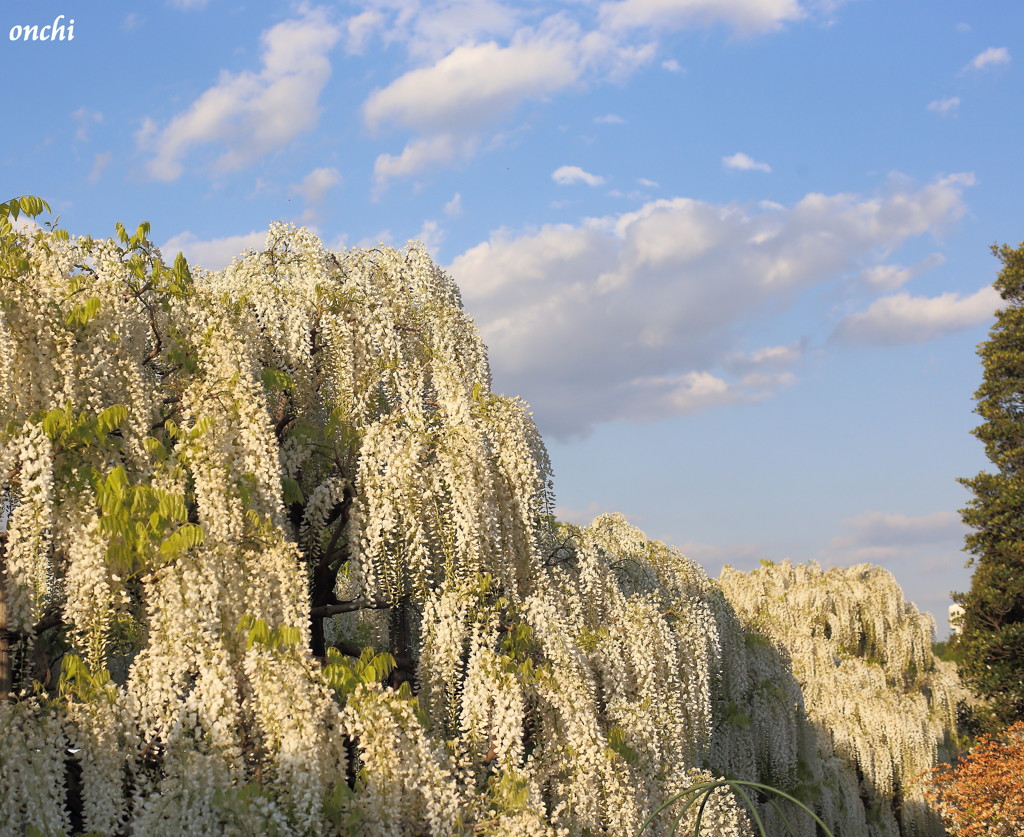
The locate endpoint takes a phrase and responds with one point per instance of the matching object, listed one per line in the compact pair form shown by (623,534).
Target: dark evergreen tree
(992,626)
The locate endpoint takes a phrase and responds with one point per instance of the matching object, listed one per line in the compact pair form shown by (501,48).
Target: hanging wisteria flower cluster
(882,707)
(274,559)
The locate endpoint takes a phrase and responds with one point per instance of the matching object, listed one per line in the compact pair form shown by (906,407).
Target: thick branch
(51,619)
(323,611)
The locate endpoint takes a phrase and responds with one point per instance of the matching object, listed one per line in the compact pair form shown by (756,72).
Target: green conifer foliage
(992,625)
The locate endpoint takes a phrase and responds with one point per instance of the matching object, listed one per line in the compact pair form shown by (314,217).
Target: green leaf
(155,448)
(617,743)
(117,480)
(292,491)
(172,507)
(181,273)
(276,380)
(54,423)
(111,418)
(338,808)
(185,537)
(83,312)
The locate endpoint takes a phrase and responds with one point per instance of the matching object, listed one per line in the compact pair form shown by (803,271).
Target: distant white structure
(955,612)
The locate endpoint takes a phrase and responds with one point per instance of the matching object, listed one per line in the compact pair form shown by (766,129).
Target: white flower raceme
(861,655)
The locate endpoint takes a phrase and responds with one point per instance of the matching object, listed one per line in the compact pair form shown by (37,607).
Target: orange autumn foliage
(983,796)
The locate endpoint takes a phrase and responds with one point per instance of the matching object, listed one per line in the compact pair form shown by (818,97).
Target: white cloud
(314,188)
(24,224)
(431,30)
(422,153)
(888,277)
(744,162)
(650,184)
(581,517)
(99,163)
(84,119)
(451,102)
(430,236)
(443,25)
(567,175)
(878,537)
(767,357)
(384,238)
(642,314)
(476,61)
(315,185)
(453,209)
(658,396)
(474,84)
(188,4)
(913,319)
(991,57)
(714,557)
(610,119)
(945,107)
(215,253)
(745,16)
(874,528)
(360,28)
(251,113)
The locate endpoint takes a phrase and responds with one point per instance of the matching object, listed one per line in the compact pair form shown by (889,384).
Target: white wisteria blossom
(862,657)
(277,560)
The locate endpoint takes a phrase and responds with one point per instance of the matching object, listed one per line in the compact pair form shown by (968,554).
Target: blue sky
(733,252)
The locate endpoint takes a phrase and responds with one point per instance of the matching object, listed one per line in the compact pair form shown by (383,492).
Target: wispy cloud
(567,175)
(903,318)
(881,537)
(422,153)
(768,357)
(714,557)
(215,253)
(453,209)
(744,162)
(945,107)
(888,277)
(610,119)
(581,517)
(314,188)
(745,16)
(431,235)
(84,118)
(251,113)
(315,185)
(459,99)
(475,62)
(99,164)
(473,84)
(991,57)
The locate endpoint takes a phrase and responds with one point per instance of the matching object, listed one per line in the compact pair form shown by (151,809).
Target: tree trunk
(5,641)
(401,642)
